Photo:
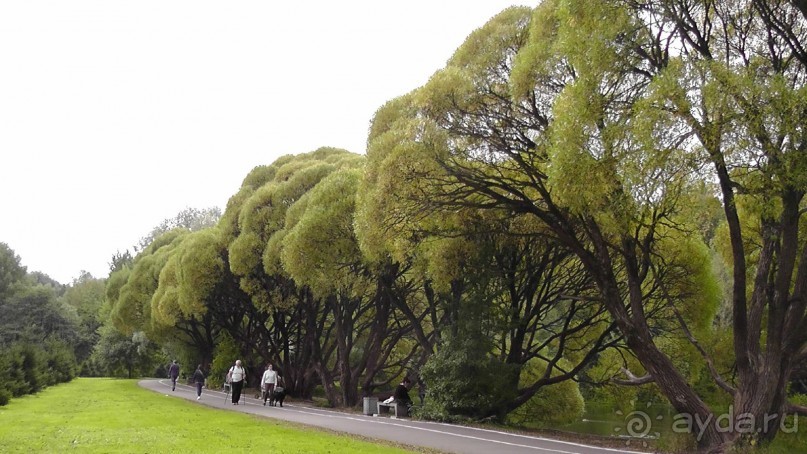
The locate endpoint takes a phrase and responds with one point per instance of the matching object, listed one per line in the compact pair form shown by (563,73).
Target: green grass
(107,416)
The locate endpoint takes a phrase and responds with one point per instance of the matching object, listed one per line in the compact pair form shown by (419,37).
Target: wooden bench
(394,408)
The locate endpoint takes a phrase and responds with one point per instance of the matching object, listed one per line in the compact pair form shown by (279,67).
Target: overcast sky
(116,115)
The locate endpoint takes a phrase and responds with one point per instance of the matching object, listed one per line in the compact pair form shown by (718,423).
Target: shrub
(223,357)
(27,368)
(557,404)
(464,382)
(61,364)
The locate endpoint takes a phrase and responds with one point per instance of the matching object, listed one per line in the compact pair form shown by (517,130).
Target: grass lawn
(109,415)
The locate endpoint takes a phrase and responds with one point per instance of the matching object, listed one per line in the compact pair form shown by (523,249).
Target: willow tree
(535,115)
(197,296)
(534,298)
(161,293)
(288,322)
(321,251)
(129,291)
(737,85)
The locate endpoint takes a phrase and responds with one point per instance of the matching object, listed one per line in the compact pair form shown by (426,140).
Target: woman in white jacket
(268,383)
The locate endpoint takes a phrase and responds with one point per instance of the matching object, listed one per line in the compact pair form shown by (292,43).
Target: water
(647,421)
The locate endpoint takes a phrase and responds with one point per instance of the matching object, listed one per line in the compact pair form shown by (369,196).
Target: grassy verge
(107,415)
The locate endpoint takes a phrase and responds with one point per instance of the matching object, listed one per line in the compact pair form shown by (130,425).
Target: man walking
(199,379)
(173,372)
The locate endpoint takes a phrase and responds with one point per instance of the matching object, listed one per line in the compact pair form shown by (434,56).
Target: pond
(648,421)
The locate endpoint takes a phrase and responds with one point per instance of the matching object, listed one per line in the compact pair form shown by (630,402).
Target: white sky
(117,115)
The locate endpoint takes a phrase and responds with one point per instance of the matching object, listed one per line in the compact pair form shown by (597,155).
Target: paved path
(443,437)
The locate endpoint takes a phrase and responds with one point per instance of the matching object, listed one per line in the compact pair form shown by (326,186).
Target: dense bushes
(26,368)
(465,382)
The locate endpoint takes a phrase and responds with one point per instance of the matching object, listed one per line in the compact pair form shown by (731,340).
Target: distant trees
(192,219)
(37,330)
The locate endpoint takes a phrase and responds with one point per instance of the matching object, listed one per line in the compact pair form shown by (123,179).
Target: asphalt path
(448,438)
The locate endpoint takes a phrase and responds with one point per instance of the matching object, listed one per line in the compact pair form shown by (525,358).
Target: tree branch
(632,380)
(795,409)
(721,382)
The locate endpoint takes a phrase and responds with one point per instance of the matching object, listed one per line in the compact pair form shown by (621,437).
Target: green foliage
(27,368)
(552,405)
(38,330)
(257,217)
(120,355)
(11,269)
(563,125)
(321,250)
(61,365)
(189,279)
(86,296)
(464,381)
(223,358)
(606,367)
(32,312)
(131,310)
(192,219)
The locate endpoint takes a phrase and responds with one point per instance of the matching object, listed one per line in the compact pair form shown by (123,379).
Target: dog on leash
(278,396)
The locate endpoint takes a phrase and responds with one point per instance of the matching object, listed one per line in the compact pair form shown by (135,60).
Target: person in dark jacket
(402,393)
(199,379)
(173,373)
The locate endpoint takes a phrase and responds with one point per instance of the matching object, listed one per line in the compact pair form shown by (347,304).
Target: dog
(279,395)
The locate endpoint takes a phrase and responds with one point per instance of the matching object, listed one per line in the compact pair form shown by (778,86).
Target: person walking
(173,373)
(238,375)
(268,383)
(199,379)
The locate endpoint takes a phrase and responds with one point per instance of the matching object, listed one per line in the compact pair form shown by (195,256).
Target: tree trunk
(634,327)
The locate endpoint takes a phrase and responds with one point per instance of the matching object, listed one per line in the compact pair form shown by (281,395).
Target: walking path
(443,437)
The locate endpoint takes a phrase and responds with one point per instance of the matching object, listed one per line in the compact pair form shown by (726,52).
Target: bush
(464,382)
(557,404)
(27,368)
(223,357)
(61,364)
(91,368)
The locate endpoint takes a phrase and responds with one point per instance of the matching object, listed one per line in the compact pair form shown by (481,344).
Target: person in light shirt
(237,375)
(268,383)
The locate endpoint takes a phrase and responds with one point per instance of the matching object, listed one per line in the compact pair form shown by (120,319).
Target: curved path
(443,437)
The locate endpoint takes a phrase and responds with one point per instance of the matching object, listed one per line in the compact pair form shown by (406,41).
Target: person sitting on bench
(401,395)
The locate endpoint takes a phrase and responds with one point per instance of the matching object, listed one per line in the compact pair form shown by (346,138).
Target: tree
(86,296)
(36,330)
(11,269)
(739,88)
(321,251)
(535,115)
(125,355)
(197,295)
(192,219)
